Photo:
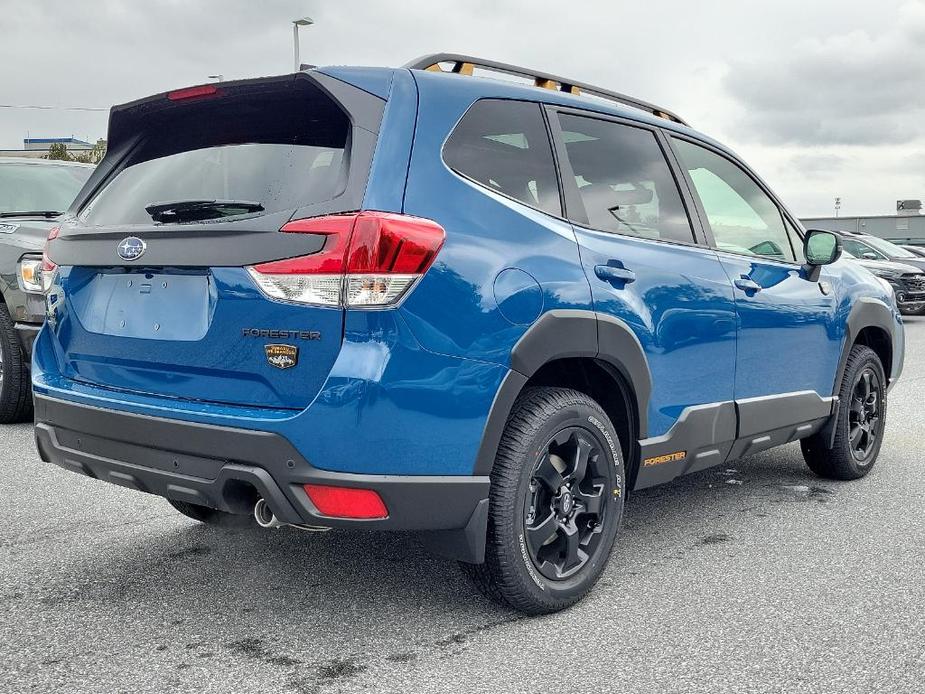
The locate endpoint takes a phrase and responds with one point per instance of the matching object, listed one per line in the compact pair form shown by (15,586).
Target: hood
(27,233)
(913,262)
(888,265)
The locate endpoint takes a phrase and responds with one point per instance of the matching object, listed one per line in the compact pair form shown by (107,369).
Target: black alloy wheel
(864,415)
(565,509)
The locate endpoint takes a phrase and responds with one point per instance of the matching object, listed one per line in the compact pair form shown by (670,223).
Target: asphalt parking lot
(752,579)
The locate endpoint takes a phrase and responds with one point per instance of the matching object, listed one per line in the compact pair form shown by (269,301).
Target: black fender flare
(562,334)
(866,313)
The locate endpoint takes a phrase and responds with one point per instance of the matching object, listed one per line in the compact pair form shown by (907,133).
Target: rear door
(163,284)
(789,340)
(646,268)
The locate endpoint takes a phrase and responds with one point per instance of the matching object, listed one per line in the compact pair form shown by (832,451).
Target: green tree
(58,150)
(90,156)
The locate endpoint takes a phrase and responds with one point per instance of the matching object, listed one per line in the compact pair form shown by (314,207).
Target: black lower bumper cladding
(229,468)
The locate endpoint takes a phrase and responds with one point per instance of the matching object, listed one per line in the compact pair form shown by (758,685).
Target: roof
(54,140)
(42,162)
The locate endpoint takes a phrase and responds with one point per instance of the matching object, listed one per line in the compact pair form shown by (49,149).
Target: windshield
(890,249)
(28,187)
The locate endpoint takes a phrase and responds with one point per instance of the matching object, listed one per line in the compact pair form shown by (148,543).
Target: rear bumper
(227,468)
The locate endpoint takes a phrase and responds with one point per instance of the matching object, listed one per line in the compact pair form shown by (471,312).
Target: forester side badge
(282,356)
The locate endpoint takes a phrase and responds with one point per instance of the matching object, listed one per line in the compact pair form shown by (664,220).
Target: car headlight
(30,275)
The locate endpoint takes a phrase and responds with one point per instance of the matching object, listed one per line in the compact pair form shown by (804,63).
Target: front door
(788,348)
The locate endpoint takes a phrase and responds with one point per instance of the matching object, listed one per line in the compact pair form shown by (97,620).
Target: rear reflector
(369,259)
(193,92)
(346,502)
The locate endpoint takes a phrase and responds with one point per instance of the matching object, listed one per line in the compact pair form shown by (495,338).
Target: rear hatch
(153,293)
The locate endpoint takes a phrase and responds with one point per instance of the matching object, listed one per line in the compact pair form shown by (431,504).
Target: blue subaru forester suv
(420,299)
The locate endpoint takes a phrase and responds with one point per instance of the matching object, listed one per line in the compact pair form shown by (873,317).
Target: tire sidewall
(869,359)
(555,593)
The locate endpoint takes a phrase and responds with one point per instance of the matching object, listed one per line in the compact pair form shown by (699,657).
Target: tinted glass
(624,180)
(890,249)
(281,154)
(855,248)
(504,146)
(37,187)
(744,219)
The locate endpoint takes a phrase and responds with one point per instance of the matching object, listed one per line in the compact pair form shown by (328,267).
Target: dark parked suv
(33,194)
(416,299)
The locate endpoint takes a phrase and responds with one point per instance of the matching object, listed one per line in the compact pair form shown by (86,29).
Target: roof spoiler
(465,65)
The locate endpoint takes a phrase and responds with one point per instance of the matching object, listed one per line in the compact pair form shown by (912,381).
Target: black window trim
(708,230)
(574,207)
(546,125)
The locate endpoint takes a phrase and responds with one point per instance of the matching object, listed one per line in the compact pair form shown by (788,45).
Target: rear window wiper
(32,213)
(194,210)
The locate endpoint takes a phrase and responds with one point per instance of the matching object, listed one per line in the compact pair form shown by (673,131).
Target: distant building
(906,226)
(37,147)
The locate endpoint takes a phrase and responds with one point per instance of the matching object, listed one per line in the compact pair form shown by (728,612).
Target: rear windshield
(274,153)
(37,187)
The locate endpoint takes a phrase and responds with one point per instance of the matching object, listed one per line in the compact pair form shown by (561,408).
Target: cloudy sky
(822,97)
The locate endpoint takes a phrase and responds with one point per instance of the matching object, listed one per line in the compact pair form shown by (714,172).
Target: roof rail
(465,64)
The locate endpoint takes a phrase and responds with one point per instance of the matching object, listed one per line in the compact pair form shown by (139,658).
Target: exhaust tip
(264,516)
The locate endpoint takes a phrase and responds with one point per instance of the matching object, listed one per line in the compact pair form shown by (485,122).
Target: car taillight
(48,267)
(369,260)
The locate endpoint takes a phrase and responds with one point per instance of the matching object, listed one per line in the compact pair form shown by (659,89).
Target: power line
(54,108)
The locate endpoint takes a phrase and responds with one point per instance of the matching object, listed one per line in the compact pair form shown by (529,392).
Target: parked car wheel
(860,421)
(555,504)
(15,386)
(212,516)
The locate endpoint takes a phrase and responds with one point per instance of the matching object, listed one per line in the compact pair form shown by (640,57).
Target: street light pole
(296,23)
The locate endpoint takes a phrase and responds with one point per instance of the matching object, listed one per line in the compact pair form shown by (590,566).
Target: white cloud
(774,80)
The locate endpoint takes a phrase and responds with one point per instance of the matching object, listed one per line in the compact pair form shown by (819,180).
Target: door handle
(611,273)
(747,284)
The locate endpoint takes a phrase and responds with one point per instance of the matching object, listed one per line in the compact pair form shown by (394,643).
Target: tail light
(48,267)
(369,260)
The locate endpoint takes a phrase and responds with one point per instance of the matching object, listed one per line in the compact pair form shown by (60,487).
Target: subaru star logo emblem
(131,248)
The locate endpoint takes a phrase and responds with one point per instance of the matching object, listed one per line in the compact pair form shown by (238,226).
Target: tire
(859,424)
(15,383)
(212,516)
(550,427)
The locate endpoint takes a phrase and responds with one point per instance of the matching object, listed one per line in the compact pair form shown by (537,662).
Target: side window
(744,219)
(504,146)
(624,180)
(860,250)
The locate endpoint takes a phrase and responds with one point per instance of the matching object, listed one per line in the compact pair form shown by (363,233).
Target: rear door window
(504,146)
(624,180)
(259,157)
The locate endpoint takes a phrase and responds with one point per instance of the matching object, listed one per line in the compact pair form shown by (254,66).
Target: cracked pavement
(754,577)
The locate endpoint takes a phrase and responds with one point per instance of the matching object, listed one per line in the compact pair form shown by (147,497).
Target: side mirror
(869,256)
(821,248)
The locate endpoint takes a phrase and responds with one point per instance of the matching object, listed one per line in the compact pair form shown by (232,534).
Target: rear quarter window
(504,146)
